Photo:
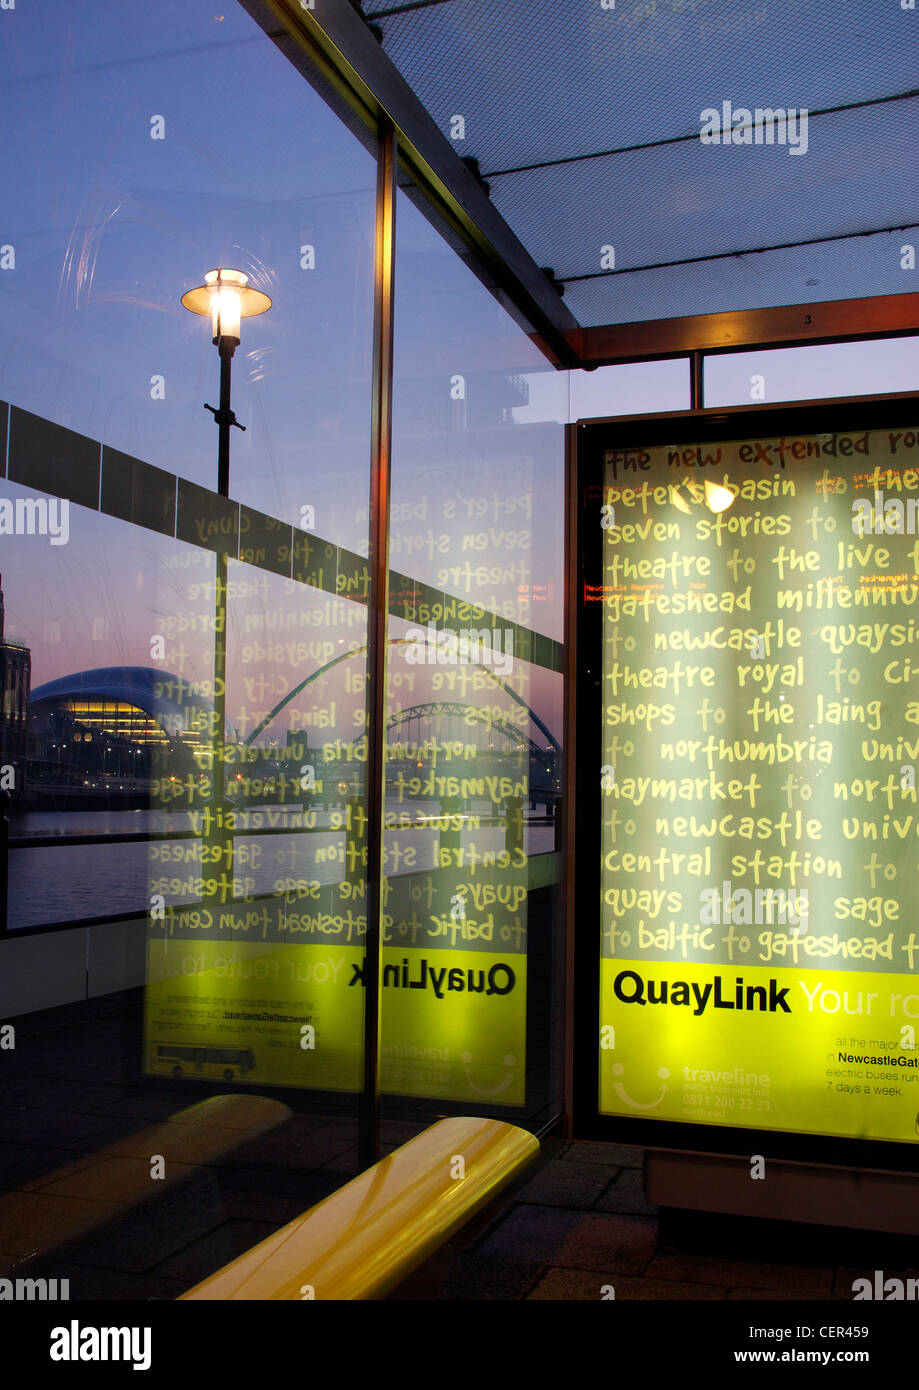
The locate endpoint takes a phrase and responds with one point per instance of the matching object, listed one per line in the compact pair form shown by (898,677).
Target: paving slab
(610,1244)
(585,1285)
(35,1124)
(766,1295)
(572,1185)
(21,1164)
(626,1193)
(274,1196)
(32,1223)
(484,1279)
(300,1152)
(103,1285)
(138,1243)
(802,1281)
(614,1155)
(213,1250)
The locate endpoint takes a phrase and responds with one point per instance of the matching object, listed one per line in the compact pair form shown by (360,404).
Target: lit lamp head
(227,297)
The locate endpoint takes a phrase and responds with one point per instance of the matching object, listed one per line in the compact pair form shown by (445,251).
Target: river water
(64,883)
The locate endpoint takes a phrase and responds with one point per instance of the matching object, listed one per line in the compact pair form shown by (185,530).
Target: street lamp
(227,298)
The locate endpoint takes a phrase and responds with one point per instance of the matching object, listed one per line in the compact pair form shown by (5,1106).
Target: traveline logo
(76,1343)
(36,516)
(763,126)
(433,646)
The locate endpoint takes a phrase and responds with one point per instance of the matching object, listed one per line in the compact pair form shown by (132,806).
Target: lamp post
(226,298)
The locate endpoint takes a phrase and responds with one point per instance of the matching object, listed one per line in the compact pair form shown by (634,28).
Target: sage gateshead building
(458,729)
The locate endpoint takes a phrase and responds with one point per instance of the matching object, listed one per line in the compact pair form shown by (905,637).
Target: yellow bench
(364,1240)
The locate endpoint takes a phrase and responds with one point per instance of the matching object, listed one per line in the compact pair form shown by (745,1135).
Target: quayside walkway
(580,1227)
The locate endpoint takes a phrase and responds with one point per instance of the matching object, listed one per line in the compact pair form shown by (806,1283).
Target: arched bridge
(417,735)
(290,695)
(468,719)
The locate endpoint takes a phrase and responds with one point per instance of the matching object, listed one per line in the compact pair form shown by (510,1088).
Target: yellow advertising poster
(761,1047)
(760,825)
(235,993)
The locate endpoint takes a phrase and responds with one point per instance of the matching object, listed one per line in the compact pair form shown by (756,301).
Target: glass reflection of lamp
(678,500)
(713,495)
(227,298)
(717,498)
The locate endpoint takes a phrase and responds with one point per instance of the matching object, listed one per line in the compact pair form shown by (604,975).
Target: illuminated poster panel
(759,839)
(257,923)
(270,992)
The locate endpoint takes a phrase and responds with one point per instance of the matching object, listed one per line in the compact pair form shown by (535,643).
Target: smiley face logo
(509,1061)
(663,1074)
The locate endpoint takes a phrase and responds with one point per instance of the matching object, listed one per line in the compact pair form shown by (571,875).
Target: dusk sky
(110,227)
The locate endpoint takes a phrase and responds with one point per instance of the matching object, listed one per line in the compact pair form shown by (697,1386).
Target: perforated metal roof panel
(586,121)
